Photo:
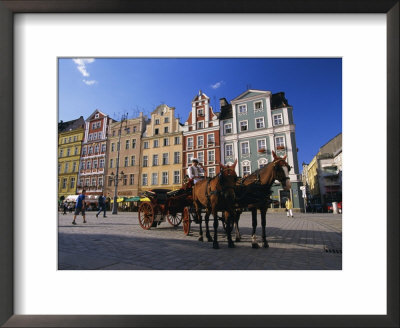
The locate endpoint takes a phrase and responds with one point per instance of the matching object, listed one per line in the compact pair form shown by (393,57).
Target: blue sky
(129,85)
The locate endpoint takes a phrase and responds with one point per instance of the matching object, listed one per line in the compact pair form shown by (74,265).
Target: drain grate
(332,250)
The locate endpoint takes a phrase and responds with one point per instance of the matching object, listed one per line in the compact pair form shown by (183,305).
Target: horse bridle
(276,164)
(220,178)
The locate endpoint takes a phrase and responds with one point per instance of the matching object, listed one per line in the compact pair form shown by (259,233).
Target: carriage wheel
(174,220)
(186,220)
(146,215)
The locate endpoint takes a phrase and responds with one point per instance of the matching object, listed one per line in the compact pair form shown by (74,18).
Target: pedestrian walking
(289,207)
(80,206)
(102,205)
(64,208)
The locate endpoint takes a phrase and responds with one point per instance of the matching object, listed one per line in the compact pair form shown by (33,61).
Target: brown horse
(216,194)
(254,191)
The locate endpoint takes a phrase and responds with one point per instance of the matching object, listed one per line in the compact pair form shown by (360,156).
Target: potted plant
(261,150)
(280,147)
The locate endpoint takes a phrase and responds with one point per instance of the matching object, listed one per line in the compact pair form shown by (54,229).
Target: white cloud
(81,66)
(89,82)
(217,85)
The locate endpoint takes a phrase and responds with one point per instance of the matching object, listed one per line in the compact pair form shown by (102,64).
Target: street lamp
(115,205)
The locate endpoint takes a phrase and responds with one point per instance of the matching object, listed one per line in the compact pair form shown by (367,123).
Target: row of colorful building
(154,152)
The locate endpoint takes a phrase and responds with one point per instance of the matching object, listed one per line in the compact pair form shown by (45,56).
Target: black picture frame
(11,7)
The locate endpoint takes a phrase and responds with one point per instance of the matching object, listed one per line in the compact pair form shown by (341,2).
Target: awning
(145,199)
(71,198)
(119,200)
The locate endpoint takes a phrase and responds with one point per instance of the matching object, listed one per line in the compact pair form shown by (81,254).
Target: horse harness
(216,192)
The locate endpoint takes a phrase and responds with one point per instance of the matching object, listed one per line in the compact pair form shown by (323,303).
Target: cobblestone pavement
(119,243)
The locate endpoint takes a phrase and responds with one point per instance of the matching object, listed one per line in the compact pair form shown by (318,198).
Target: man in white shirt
(194,172)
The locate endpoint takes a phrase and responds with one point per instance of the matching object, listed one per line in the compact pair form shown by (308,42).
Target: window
(156,131)
(61,152)
(154,178)
(87,182)
(166,142)
(189,158)
(83,165)
(90,150)
(200,156)
(133,143)
(280,143)
(95,136)
(131,179)
(177,157)
(73,166)
(110,180)
(164,178)
(75,138)
(243,126)
(145,161)
(157,121)
(113,133)
(165,159)
(211,172)
(200,124)
(166,120)
(200,112)
(144,179)
(211,156)
(101,181)
(66,168)
(134,129)
(228,128)
(89,165)
(93,126)
(101,164)
(258,106)
(59,168)
(242,109)
(177,177)
(64,184)
(261,144)
(93,182)
(260,123)
(190,142)
(246,168)
(146,145)
(127,143)
(177,140)
(111,163)
(76,151)
(98,124)
(133,160)
(126,161)
(166,129)
(103,148)
(90,136)
(200,141)
(125,179)
(99,135)
(65,140)
(210,139)
(96,149)
(84,151)
(278,119)
(155,160)
(155,143)
(68,151)
(72,183)
(245,148)
(69,139)
(128,130)
(95,164)
(262,162)
(228,150)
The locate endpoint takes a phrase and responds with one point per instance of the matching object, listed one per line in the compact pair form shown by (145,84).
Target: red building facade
(201,137)
(93,155)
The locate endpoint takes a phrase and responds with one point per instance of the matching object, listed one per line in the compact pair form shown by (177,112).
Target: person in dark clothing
(102,205)
(80,206)
(64,208)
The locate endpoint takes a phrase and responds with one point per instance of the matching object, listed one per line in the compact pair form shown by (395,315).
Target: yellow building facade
(70,136)
(161,156)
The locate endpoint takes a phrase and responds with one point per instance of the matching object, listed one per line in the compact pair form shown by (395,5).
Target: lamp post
(115,205)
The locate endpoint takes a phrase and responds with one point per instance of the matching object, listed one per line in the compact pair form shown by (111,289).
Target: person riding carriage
(196,171)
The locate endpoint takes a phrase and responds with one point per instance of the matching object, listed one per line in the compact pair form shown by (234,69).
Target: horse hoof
(265,244)
(215,245)
(200,238)
(231,244)
(255,245)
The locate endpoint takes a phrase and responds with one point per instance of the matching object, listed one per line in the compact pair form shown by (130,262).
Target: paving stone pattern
(119,243)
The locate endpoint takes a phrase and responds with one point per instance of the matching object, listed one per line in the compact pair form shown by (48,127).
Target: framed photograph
(35,34)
